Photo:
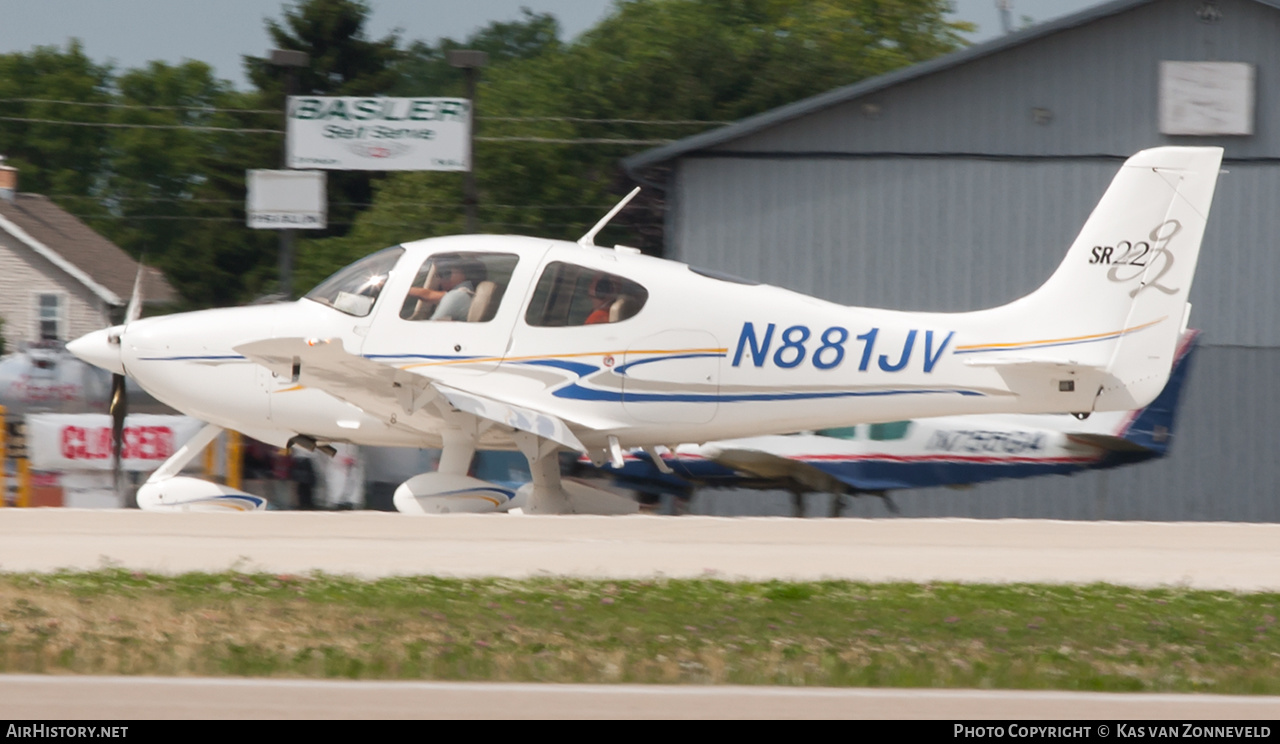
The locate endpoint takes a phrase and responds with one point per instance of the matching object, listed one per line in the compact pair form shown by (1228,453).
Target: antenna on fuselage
(589,240)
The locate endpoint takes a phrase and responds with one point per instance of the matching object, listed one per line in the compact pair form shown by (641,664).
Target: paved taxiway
(1244,557)
(48,699)
(1241,557)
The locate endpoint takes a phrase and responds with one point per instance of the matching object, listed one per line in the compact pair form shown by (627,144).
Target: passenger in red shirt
(602,293)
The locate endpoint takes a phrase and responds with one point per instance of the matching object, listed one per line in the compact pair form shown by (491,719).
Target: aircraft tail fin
(1117,304)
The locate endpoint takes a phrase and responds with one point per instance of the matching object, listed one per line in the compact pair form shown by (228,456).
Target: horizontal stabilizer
(1047,365)
(1074,385)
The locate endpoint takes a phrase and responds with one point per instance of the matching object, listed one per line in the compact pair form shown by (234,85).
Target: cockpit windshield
(353,290)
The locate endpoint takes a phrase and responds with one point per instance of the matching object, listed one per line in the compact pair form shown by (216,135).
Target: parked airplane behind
(563,346)
(922,453)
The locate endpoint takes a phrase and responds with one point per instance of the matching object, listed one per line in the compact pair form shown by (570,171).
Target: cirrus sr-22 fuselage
(540,345)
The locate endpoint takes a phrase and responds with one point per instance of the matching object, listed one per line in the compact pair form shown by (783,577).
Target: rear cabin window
(572,295)
(889,431)
(885,432)
(463,287)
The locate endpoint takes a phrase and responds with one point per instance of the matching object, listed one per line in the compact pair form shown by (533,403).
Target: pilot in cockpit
(455,286)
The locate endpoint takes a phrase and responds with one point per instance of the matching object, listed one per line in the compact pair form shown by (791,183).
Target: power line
(247,130)
(428,205)
(143,107)
(279,112)
(579,120)
(113,125)
(178,200)
(577,141)
(486,206)
(414,223)
(487,223)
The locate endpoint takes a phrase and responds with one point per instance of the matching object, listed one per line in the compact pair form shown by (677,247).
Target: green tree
(142,159)
(343,62)
(727,59)
(424,70)
(176,184)
(415,205)
(704,60)
(54,158)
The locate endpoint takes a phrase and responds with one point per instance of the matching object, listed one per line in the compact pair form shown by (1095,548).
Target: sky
(131,33)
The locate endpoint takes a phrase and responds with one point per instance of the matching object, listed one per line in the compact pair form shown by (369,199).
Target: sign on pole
(379,134)
(286,200)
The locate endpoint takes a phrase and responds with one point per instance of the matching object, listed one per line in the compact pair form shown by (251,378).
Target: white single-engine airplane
(502,342)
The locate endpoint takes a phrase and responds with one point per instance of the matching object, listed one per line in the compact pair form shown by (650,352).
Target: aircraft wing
(392,393)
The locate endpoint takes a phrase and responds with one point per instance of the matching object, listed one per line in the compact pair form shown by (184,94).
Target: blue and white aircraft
(923,453)
(502,342)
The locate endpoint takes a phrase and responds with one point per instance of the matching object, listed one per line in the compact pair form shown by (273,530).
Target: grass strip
(833,633)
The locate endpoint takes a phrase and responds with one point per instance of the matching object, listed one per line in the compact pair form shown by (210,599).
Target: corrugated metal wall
(951,235)
(923,230)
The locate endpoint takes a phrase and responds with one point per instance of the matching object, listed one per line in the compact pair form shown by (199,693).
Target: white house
(58,278)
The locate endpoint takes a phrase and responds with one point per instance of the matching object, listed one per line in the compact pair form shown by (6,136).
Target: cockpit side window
(572,295)
(355,289)
(466,287)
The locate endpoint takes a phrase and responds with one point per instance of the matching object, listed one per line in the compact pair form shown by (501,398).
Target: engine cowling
(439,493)
(183,493)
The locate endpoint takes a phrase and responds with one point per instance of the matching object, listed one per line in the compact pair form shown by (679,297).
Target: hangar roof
(837,96)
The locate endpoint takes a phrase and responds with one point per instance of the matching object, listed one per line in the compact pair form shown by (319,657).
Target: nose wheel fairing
(166,490)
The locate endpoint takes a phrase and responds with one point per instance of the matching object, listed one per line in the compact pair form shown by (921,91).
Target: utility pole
(470,61)
(290,61)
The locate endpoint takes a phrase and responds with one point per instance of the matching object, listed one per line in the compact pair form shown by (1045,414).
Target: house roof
(847,93)
(97,263)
